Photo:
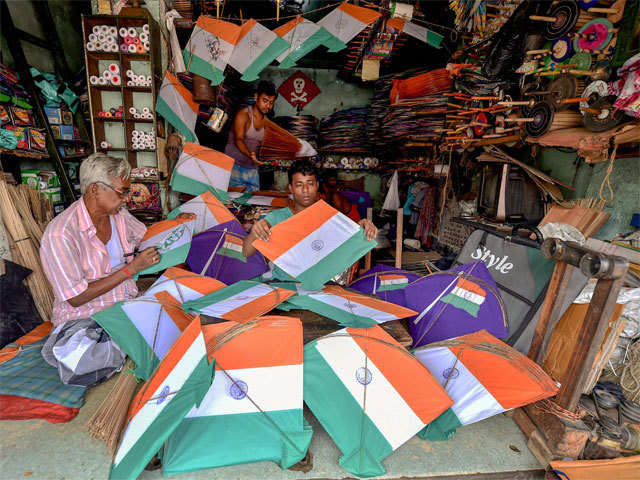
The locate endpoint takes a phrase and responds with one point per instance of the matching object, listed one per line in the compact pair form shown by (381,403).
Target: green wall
(625,181)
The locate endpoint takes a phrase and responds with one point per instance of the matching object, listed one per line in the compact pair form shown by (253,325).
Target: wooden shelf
(139,120)
(139,89)
(136,57)
(107,88)
(24,153)
(62,140)
(136,151)
(111,149)
(104,55)
(109,119)
(74,157)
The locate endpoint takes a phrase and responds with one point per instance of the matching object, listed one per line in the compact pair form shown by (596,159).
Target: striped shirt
(73,256)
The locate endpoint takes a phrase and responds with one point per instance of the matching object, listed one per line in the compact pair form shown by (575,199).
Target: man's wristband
(124,269)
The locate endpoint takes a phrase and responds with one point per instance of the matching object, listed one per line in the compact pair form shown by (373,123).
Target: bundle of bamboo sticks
(24,236)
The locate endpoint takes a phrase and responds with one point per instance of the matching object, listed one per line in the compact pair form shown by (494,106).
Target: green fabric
(227,252)
(393,286)
(434,39)
(321,37)
(163,109)
(203,68)
(121,329)
(273,218)
(461,303)
(346,319)
(361,443)
(28,375)
(183,184)
(442,428)
(273,51)
(220,440)
(192,392)
(541,268)
(334,263)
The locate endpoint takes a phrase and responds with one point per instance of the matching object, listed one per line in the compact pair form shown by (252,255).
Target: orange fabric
(182,91)
(217,208)
(380,305)
(392,276)
(177,351)
(397,23)
(246,28)
(209,155)
(253,309)
(402,370)
(163,226)
(199,283)
(23,408)
(233,239)
(421,85)
(365,15)
(41,331)
(246,350)
(282,30)
(288,233)
(174,310)
(508,380)
(224,30)
(623,468)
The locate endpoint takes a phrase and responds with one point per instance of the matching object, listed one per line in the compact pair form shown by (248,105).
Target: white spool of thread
(104,29)
(102,38)
(113,31)
(149,80)
(132,48)
(146,45)
(104,144)
(132,110)
(95,29)
(116,80)
(98,46)
(114,47)
(145,28)
(114,68)
(132,32)
(91,46)
(130,73)
(144,37)
(145,110)
(93,37)
(136,115)
(107,74)
(102,81)
(93,79)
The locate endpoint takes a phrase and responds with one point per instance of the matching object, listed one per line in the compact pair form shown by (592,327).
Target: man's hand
(145,259)
(370,230)
(261,230)
(254,157)
(186,215)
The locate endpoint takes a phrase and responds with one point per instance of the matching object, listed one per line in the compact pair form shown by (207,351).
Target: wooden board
(587,220)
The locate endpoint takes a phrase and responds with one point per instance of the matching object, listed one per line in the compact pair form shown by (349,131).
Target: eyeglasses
(121,193)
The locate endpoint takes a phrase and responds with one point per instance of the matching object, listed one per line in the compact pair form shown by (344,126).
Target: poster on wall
(299,90)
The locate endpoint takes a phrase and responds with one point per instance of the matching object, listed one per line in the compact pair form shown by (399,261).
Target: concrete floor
(40,450)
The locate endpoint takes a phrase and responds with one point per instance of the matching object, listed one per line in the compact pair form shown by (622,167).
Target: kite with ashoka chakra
(350,309)
(484,377)
(253,410)
(315,245)
(210,47)
(455,302)
(386,282)
(241,302)
(369,394)
(217,253)
(208,209)
(172,238)
(180,382)
(175,103)
(200,169)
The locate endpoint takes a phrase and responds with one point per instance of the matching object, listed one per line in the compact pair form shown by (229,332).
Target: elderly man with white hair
(87,251)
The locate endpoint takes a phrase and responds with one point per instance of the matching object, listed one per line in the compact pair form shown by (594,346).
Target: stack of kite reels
(105,145)
(141,140)
(134,41)
(138,80)
(144,114)
(111,76)
(103,38)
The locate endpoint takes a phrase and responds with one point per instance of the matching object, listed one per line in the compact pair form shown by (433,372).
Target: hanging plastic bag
(392,200)
(54,91)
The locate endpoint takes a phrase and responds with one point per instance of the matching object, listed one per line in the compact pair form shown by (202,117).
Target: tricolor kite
(350,309)
(253,410)
(257,47)
(347,21)
(386,282)
(180,382)
(462,300)
(209,212)
(484,377)
(416,31)
(184,285)
(217,253)
(172,238)
(315,245)
(175,103)
(145,328)
(200,169)
(210,47)
(240,302)
(264,200)
(369,394)
(304,36)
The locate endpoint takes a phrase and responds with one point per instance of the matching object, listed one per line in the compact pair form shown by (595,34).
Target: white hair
(100,167)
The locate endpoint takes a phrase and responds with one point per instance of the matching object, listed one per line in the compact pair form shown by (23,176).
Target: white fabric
(297,36)
(144,315)
(114,247)
(240,299)
(178,62)
(392,200)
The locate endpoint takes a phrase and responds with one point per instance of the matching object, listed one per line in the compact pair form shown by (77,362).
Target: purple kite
(386,282)
(455,302)
(218,251)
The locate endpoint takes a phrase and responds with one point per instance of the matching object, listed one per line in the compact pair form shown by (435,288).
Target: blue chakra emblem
(238,389)
(363,376)
(317,245)
(163,395)
(450,373)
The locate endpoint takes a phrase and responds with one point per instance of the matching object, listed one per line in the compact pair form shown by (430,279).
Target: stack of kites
(304,127)
(345,130)
(253,410)
(378,109)
(424,118)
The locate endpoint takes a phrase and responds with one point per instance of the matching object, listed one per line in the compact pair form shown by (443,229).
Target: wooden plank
(587,220)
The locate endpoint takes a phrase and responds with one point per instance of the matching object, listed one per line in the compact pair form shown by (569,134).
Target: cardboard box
(31,178)
(54,195)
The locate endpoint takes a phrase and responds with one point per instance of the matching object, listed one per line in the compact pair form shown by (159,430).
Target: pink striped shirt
(73,256)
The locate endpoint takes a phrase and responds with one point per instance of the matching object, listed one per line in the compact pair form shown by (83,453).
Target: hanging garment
(18,314)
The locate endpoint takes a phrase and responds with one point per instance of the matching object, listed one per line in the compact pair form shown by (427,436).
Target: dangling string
(213,253)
